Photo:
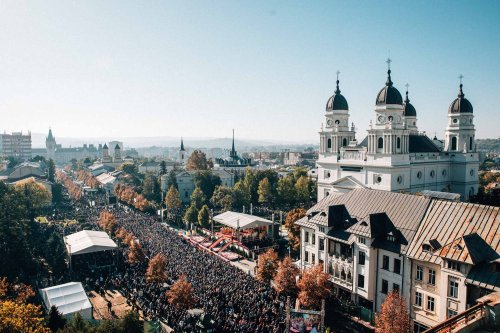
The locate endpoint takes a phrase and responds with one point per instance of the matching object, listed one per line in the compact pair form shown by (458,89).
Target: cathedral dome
(409,110)
(460,104)
(337,101)
(389,94)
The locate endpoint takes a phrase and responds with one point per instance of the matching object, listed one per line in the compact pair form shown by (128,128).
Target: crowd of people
(235,301)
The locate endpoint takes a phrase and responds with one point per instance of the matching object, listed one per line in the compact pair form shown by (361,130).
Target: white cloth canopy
(243,221)
(88,241)
(69,298)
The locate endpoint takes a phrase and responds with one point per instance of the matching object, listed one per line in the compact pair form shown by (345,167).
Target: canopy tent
(88,241)
(242,221)
(69,298)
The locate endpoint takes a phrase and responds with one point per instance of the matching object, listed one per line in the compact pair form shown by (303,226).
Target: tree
(293,229)
(314,286)
(130,168)
(207,182)
(284,280)
(393,316)
(286,190)
(172,179)
(51,171)
(173,199)
(181,294)
(151,187)
(241,194)
(222,198)
(264,191)
(57,193)
(77,325)
(135,254)
(107,221)
(267,266)
(191,215)
(163,168)
(55,320)
(204,216)
(130,323)
(197,161)
(302,190)
(156,269)
(18,317)
(37,195)
(198,198)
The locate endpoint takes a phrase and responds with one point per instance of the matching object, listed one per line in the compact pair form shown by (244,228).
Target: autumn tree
(156,269)
(293,229)
(265,191)
(393,316)
(135,254)
(284,280)
(267,265)
(181,294)
(204,216)
(107,221)
(173,199)
(313,287)
(38,195)
(197,161)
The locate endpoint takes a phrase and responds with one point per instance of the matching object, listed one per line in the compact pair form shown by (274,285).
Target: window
(344,142)
(380,143)
(361,240)
(321,244)
(470,143)
(453,288)
(395,287)
(432,174)
(444,173)
(306,255)
(361,258)
(361,281)
(454,265)
(390,118)
(418,299)
(397,266)
(419,175)
(329,143)
(321,229)
(391,238)
(385,287)
(419,275)
(306,237)
(454,143)
(430,303)
(400,179)
(398,143)
(385,262)
(451,313)
(313,239)
(432,277)
(313,258)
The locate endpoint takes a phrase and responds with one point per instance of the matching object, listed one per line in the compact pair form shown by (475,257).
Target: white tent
(69,298)
(239,220)
(88,241)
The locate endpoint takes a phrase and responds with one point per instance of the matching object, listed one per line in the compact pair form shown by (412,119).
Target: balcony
(341,270)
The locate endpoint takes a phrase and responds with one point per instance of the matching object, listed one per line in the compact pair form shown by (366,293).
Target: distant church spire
(389,81)
(182,144)
(233,151)
(337,91)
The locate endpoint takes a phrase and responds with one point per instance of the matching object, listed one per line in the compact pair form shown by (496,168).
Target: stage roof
(244,221)
(69,298)
(88,241)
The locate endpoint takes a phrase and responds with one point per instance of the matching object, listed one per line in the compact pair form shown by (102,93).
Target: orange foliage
(284,280)
(135,254)
(20,317)
(107,221)
(127,194)
(180,294)
(314,286)
(393,316)
(74,190)
(156,269)
(267,265)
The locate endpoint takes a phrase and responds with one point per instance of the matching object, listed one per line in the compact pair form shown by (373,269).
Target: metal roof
(441,195)
(240,220)
(88,241)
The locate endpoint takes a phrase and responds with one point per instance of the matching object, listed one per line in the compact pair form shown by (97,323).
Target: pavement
(119,305)
(245,265)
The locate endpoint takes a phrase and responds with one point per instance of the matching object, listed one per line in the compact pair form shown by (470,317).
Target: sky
(265,68)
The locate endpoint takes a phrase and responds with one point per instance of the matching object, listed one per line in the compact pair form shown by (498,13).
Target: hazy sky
(265,68)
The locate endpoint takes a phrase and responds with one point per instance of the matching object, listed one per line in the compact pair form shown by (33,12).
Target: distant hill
(488,145)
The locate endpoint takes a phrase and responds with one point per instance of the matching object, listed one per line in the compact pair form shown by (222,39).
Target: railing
(461,320)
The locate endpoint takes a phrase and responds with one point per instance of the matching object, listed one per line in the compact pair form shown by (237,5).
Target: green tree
(251,184)
(207,182)
(204,217)
(197,161)
(286,190)
(222,198)
(264,191)
(163,168)
(172,180)
(55,320)
(130,168)
(57,193)
(302,190)
(51,171)
(173,199)
(191,215)
(130,323)
(241,196)
(151,187)
(198,198)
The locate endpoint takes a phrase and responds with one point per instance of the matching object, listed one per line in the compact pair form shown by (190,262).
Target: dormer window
(391,238)
(364,224)
(426,248)
(453,265)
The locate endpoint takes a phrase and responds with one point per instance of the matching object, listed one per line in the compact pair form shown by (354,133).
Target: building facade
(17,145)
(394,155)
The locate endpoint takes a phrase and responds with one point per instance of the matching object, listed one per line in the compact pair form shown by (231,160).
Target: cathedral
(394,155)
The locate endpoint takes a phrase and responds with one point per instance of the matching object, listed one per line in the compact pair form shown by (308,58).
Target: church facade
(395,156)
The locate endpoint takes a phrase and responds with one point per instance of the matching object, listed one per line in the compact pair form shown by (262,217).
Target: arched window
(454,143)
(470,143)
(329,144)
(344,142)
(398,143)
(380,143)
